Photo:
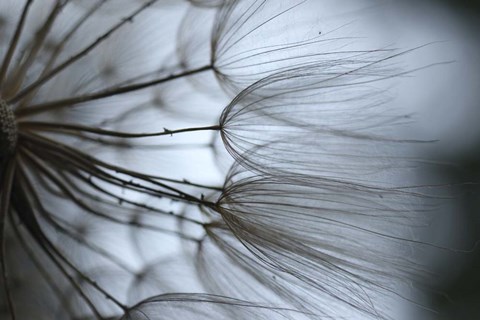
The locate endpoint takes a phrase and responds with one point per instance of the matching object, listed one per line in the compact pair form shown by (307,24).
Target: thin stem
(94,163)
(6,190)
(188,183)
(39,82)
(29,221)
(53,151)
(43,272)
(89,181)
(110,92)
(13,43)
(19,76)
(52,220)
(44,239)
(40,166)
(52,126)
(58,49)
(133,203)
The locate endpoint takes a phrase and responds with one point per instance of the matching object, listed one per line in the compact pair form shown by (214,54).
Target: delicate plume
(201,306)
(320,120)
(248,40)
(334,239)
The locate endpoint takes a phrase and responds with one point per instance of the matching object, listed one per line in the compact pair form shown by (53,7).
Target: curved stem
(8,178)
(14,42)
(58,49)
(33,49)
(52,126)
(110,92)
(81,54)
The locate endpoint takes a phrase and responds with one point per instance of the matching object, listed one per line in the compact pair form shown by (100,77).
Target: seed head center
(8,129)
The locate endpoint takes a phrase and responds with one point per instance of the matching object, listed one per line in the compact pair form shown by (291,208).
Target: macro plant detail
(117,120)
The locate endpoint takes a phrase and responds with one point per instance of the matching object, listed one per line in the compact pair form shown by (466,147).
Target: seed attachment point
(8,129)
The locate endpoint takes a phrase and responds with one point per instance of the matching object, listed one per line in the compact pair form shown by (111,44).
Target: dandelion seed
(333,239)
(318,120)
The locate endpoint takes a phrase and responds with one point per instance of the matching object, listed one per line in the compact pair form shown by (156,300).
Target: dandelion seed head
(8,129)
(94,199)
